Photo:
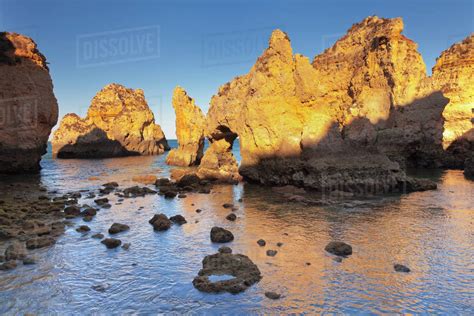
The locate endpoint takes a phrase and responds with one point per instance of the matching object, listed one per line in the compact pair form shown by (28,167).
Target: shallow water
(430,232)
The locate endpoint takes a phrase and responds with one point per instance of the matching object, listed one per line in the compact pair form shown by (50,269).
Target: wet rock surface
(178,219)
(221,235)
(401,268)
(111,243)
(160,222)
(244,271)
(118,228)
(339,248)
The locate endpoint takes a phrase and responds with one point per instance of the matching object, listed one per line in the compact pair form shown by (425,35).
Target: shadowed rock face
(359,110)
(118,123)
(190,122)
(28,107)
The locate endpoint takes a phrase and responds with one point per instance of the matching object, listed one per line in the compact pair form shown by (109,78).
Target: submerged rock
(16,251)
(261,242)
(178,219)
(40,242)
(221,235)
(271,253)
(30,109)
(83,229)
(231,217)
(245,273)
(339,248)
(118,228)
(160,222)
(190,124)
(401,268)
(111,243)
(118,123)
(272,295)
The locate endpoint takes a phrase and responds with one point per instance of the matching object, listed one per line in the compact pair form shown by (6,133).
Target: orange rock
(190,123)
(118,123)
(29,107)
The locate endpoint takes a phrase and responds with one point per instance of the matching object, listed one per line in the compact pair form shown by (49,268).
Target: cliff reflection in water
(431,232)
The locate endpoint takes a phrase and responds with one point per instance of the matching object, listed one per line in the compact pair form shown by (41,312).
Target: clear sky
(200,45)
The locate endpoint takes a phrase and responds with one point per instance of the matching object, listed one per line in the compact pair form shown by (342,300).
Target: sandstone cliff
(453,74)
(118,123)
(28,107)
(362,107)
(190,123)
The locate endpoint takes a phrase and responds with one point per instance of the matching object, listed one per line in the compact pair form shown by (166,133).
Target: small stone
(308,263)
(9,265)
(337,259)
(225,249)
(126,246)
(339,248)
(28,261)
(118,228)
(72,210)
(182,196)
(272,295)
(261,242)
(227,205)
(271,253)
(101,201)
(97,236)
(178,219)
(83,229)
(401,268)
(111,243)
(198,210)
(100,287)
(170,194)
(39,242)
(221,235)
(231,217)
(279,244)
(87,218)
(160,222)
(106,205)
(89,212)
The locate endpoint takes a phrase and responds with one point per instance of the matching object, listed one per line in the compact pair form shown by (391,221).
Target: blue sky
(200,45)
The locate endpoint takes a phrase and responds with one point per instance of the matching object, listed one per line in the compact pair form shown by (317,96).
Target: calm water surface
(431,232)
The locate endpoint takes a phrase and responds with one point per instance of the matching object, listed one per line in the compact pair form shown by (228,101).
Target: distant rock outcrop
(347,121)
(28,107)
(190,123)
(118,123)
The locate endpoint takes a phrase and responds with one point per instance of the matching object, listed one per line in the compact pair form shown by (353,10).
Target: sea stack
(28,106)
(118,123)
(190,123)
(353,119)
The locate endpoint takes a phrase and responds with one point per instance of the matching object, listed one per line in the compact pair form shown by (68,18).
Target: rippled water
(431,232)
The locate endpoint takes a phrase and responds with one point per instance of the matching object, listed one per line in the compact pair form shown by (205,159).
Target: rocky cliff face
(190,123)
(361,108)
(28,107)
(118,123)
(453,74)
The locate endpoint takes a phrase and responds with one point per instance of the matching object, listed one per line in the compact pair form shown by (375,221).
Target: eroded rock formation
(362,108)
(453,74)
(190,122)
(118,123)
(28,107)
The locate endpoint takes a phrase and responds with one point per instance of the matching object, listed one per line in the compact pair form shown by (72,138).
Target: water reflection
(431,232)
